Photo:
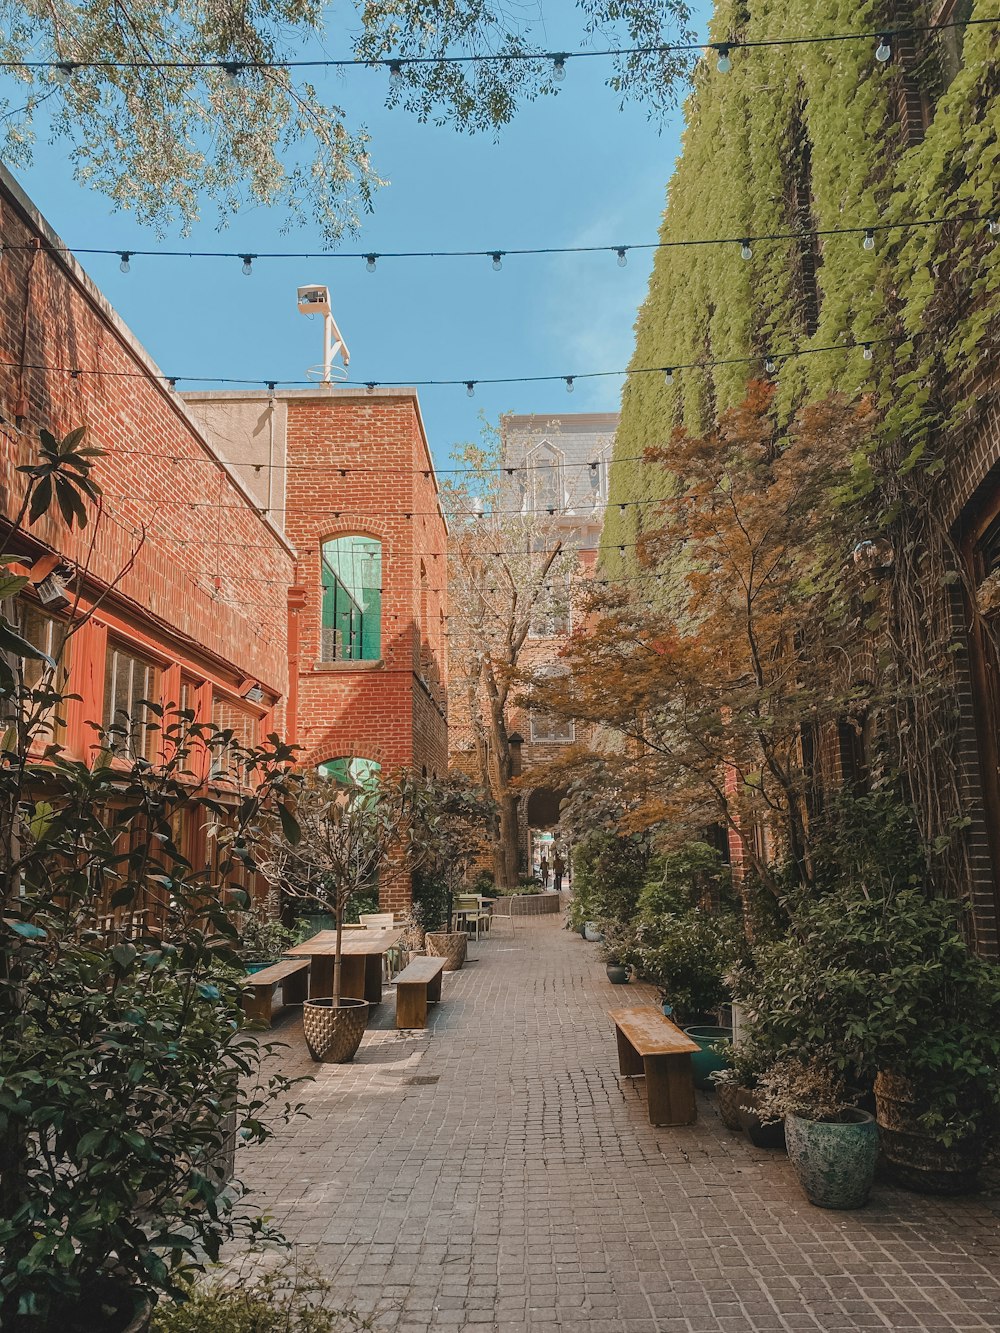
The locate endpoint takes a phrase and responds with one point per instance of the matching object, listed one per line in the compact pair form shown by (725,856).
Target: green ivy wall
(930,290)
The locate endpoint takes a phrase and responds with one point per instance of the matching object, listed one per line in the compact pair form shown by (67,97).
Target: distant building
(347,474)
(558,470)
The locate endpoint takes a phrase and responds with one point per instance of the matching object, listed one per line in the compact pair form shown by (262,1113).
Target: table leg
(353,977)
(373,979)
(670,1090)
(295,988)
(629,1060)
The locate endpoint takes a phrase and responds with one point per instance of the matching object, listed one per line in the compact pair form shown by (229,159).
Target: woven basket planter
(334,1035)
(452,946)
(729,1097)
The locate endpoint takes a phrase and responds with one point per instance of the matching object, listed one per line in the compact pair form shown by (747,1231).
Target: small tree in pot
(447,834)
(342,835)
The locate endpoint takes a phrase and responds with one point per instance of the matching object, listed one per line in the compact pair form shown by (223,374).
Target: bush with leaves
(124,1070)
(608,874)
(693,875)
(289,1300)
(263,937)
(688,955)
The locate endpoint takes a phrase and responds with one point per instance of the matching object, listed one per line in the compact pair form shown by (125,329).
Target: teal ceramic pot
(835,1161)
(617,975)
(705,1061)
(255,967)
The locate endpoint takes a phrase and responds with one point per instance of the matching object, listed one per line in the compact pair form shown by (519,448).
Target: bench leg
(629,1060)
(257,1005)
(295,988)
(411,1005)
(434,987)
(670,1090)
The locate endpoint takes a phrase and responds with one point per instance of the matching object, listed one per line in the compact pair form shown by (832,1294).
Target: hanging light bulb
(231,69)
(248,264)
(668,375)
(869,241)
(622,255)
(497,257)
(723,64)
(770,365)
(569,383)
(395,70)
(125,256)
(883,52)
(470,388)
(994,227)
(370,386)
(558,68)
(746,251)
(370,262)
(63,71)
(866,351)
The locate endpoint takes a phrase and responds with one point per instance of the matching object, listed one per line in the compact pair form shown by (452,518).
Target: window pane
(128,682)
(351,627)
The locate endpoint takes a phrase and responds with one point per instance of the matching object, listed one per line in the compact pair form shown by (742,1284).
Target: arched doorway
(541,818)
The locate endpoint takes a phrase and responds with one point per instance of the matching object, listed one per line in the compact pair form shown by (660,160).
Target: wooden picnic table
(361,962)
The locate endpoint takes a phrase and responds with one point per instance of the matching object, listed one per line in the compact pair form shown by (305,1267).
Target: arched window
(352,600)
(347,772)
(546,471)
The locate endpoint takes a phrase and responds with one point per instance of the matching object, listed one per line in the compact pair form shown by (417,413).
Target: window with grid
(130,682)
(549,730)
(351,628)
(228,715)
(44,632)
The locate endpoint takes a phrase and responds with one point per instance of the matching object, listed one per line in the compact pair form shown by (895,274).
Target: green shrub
(687,955)
(694,875)
(608,875)
(277,1302)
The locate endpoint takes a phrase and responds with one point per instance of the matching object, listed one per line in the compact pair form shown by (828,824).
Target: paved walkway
(493,1173)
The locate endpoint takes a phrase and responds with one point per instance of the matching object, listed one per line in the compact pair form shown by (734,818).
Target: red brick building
(293,543)
(348,475)
(177,615)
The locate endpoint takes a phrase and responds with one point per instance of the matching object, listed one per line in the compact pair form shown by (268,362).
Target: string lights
(63,69)
(868,231)
(469,384)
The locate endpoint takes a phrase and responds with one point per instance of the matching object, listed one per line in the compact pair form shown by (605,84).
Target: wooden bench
(649,1044)
(417,985)
(293,976)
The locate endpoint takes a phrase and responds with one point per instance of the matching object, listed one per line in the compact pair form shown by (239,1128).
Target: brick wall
(191,545)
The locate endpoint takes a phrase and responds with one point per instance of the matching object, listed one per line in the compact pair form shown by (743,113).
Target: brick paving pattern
(495,1173)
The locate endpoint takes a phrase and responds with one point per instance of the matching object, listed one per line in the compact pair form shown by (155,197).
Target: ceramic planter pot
(590,932)
(452,946)
(617,974)
(834,1161)
(916,1159)
(729,1097)
(105,1307)
(706,1061)
(770,1135)
(334,1035)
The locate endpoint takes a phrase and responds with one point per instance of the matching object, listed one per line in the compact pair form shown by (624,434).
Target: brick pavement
(495,1174)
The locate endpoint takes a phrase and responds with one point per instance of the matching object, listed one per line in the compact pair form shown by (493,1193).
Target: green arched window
(352,600)
(350,772)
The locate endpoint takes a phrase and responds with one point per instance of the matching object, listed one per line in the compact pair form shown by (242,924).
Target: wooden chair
(392,958)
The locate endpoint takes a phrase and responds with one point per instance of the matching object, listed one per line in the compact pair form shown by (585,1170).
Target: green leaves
(289,826)
(62,476)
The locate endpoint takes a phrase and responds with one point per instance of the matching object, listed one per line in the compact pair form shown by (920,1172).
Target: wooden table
(649,1043)
(361,962)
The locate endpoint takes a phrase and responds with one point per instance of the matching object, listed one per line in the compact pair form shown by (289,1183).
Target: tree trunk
(338,954)
(506,853)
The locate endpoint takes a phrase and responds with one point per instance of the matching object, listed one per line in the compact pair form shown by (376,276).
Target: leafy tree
(331,847)
(124,1070)
(154,129)
(447,833)
(506,569)
(710,681)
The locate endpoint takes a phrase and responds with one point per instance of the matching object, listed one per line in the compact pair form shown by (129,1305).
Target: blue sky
(571,170)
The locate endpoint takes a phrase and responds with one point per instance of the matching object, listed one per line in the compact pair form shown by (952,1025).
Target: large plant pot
(334,1035)
(835,1162)
(769,1135)
(915,1158)
(706,1061)
(106,1306)
(452,946)
(590,932)
(617,974)
(729,1097)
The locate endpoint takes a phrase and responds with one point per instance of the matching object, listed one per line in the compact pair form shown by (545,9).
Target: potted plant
(340,840)
(445,838)
(832,1144)
(735,1082)
(686,954)
(617,950)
